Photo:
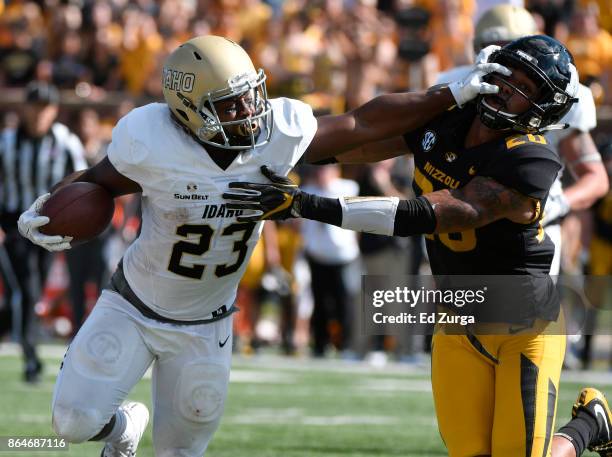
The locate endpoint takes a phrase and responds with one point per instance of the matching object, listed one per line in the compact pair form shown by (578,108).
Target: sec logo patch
(429,139)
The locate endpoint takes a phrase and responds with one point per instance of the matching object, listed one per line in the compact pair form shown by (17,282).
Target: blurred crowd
(336,54)
(301,290)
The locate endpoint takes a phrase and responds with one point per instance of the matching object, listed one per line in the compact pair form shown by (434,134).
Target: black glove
(276,201)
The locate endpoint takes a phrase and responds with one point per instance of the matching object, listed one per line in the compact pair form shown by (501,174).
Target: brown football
(81,210)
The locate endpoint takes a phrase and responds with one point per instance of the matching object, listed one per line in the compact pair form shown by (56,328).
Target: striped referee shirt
(29,167)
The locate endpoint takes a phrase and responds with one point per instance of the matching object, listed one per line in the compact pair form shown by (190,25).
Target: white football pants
(111,353)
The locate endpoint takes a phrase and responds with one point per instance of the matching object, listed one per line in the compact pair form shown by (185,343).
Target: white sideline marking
(295,416)
(265,377)
(396,385)
(29,418)
(252,377)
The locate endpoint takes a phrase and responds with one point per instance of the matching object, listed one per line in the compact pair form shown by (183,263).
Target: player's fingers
(247,188)
(64,246)
(275,177)
(39,221)
(486,88)
(236,205)
(240,197)
(250,216)
(40,201)
(268,173)
(484,54)
(40,238)
(248,219)
(494,67)
(55,247)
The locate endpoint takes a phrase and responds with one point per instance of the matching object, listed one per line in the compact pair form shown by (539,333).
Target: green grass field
(282,407)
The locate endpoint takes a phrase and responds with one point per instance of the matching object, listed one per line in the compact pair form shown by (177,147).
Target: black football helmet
(551,66)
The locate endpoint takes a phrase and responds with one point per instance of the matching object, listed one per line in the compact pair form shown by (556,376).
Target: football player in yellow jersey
(483,173)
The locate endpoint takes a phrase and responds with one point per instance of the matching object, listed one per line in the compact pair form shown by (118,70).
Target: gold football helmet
(205,70)
(502,24)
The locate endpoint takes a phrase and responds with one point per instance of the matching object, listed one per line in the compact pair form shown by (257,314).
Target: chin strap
(554,127)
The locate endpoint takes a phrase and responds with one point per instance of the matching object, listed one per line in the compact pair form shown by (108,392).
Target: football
(81,210)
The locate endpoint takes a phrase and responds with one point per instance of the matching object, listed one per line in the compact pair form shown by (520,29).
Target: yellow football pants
(496,394)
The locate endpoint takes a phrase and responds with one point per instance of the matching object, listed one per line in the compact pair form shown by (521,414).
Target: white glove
(472,85)
(556,207)
(31,220)
(485,53)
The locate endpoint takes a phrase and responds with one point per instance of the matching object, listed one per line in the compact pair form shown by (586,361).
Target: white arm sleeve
(369,214)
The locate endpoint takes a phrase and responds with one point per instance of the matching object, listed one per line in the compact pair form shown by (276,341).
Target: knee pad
(102,355)
(201,391)
(76,425)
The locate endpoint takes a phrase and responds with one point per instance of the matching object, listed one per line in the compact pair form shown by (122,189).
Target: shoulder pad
(145,122)
(290,115)
(582,116)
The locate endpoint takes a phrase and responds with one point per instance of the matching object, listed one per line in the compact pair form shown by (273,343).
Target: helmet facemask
(551,104)
(498,119)
(253,131)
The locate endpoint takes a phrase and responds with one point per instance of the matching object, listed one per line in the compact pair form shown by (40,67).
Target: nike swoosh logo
(223,344)
(599,410)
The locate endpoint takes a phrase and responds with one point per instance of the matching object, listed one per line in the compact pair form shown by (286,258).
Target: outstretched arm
(392,115)
(375,152)
(482,201)
(385,116)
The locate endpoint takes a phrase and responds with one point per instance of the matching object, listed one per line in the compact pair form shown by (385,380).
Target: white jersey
(582,116)
(192,252)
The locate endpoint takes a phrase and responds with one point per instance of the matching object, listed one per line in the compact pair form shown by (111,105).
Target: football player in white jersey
(500,25)
(170,300)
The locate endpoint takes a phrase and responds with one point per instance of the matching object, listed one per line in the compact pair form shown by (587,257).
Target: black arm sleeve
(322,209)
(414,217)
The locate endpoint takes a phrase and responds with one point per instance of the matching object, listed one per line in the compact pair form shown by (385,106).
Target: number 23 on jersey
(199,248)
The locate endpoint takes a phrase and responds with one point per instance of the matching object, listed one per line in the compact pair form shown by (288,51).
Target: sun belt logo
(177,80)
(192,188)
(429,139)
